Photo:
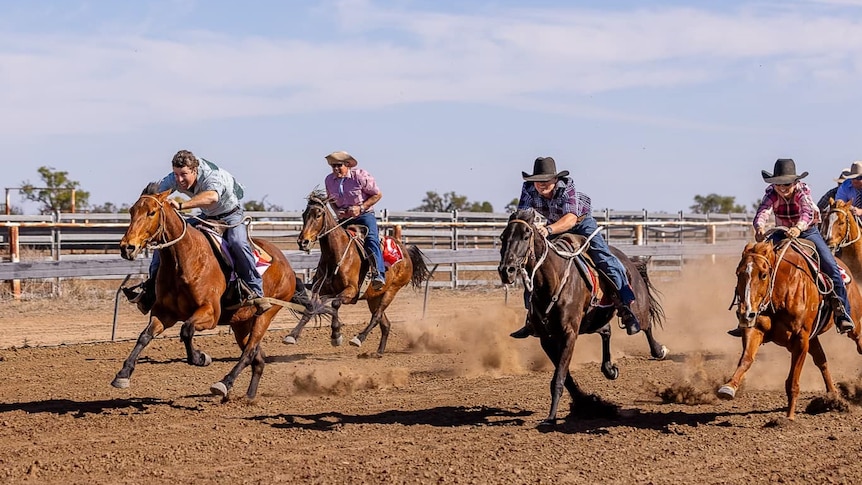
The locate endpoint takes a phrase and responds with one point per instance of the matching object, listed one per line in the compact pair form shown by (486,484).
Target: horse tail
(656,312)
(421,272)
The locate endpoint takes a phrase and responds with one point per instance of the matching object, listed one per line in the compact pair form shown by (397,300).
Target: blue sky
(647,103)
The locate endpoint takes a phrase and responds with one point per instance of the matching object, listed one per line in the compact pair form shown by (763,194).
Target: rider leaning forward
(553,195)
(789,200)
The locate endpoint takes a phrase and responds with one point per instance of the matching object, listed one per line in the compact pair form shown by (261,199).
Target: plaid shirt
(799,210)
(566,200)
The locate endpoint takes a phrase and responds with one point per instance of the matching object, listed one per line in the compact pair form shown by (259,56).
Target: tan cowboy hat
(784,172)
(544,170)
(342,157)
(854,172)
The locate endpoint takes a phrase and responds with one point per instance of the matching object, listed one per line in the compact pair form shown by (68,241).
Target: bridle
(161,232)
(845,240)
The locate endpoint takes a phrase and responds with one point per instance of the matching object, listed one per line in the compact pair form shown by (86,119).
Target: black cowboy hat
(544,170)
(784,172)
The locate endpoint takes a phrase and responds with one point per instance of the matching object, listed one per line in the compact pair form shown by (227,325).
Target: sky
(647,104)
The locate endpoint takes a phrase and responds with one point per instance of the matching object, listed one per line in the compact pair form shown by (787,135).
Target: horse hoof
(288,340)
(611,372)
(662,353)
(726,392)
(356,342)
(336,342)
(219,389)
(207,360)
(120,382)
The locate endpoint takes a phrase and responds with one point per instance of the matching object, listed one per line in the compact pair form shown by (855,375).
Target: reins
(162,232)
(845,240)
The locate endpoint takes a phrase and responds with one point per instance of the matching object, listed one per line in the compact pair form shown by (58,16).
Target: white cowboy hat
(341,157)
(855,171)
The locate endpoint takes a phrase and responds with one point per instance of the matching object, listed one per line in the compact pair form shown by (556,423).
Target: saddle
(572,243)
(235,287)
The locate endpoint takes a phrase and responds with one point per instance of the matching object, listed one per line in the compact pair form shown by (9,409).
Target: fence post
(455,247)
(14,256)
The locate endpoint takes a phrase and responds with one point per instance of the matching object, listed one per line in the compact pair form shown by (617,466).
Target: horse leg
(202,319)
(293,336)
(561,355)
(656,349)
(335,338)
(154,328)
(815,348)
(609,369)
(798,350)
(248,336)
(750,344)
(377,306)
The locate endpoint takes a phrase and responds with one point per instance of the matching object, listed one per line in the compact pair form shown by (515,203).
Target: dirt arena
(454,400)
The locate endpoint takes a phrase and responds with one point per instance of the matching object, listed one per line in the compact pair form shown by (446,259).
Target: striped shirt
(565,200)
(354,189)
(799,210)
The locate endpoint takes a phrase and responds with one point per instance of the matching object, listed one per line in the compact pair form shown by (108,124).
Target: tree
(12,209)
(722,204)
(109,208)
(261,206)
(56,193)
(512,206)
(450,201)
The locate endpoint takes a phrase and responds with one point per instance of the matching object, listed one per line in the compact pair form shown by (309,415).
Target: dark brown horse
(780,300)
(841,231)
(564,305)
(190,284)
(340,271)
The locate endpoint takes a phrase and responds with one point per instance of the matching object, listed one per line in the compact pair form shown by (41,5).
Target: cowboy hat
(784,172)
(341,157)
(854,172)
(544,170)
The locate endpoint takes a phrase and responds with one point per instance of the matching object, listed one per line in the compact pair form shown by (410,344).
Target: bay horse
(779,300)
(339,275)
(565,306)
(190,284)
(842,232)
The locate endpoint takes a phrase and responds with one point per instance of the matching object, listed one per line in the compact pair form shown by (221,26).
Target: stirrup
(843,325)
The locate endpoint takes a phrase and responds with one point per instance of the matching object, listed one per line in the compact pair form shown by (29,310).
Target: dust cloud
(474,328)
(343,382)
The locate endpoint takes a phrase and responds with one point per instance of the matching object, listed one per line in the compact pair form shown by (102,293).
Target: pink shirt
(799,210)
(354,189)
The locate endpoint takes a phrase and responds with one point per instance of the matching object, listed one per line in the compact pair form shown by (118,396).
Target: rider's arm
(203,199)
(369,202)
(565,223)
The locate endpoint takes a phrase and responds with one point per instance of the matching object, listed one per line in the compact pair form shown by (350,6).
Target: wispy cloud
(125,76)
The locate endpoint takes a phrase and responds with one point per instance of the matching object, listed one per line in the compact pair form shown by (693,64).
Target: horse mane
(526,215)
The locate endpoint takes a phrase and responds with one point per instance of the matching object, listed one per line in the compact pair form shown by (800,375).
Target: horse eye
(151,213)
(763,276)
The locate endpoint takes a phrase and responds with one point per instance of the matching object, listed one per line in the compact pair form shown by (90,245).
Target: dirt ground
(454,400)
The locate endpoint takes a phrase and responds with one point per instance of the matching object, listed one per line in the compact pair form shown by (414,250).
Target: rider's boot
(735,332)
(142,295)
(843,321)
(528,330)
(629,319)
(377,279)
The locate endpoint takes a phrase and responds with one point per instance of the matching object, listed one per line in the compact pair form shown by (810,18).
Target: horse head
(839,225)
(754,281)
(316,220)
(517,245)
(147,222)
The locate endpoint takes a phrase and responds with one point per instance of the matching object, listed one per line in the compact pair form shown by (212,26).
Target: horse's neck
(336,240)
(550,269)
(188,244)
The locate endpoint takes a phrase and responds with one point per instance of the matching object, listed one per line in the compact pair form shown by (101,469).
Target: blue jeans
(372,239)
(827,263)
(604,259)
(240,250)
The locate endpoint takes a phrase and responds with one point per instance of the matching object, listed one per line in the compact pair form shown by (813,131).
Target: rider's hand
(759,236)
(354,210)
(542,230)
(793,232)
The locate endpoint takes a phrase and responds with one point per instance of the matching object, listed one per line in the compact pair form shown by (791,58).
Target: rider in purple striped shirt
(553,195)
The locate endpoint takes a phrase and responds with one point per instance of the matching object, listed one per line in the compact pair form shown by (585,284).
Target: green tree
(261,206)
(434,202)
(512,206)
(109,208)
(722,204)
(55,195)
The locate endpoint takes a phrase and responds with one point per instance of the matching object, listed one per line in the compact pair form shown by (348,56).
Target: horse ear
(164,195)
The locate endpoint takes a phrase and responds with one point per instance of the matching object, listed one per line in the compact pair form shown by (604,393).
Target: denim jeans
(827,262)
(604,259)
(239,248)
(372,239)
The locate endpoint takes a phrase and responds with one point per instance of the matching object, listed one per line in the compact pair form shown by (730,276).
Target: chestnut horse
(565,305)
(190,284)
(339,275)
(841,231)
(779,300)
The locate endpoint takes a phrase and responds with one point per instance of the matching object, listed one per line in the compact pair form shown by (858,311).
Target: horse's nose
(127,251)
(302,243)
(507,273)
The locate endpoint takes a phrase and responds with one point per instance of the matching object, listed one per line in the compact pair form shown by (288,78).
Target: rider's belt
(225,214)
